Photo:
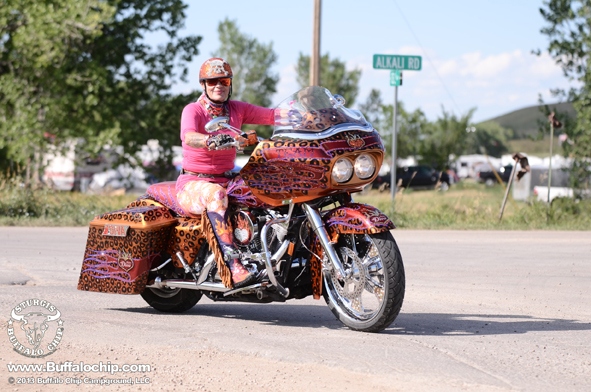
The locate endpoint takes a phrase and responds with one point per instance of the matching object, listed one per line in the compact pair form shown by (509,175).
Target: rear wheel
(171,300)
(370,298)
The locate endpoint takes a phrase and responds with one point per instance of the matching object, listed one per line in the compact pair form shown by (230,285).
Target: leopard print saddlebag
(121,248)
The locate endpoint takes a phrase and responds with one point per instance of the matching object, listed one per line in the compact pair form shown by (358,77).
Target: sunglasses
(214,82)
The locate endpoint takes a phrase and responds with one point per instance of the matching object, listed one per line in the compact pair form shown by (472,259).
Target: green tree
(410,124)
(40,43)
(570,45)
(333,75)
(489,137)
(71,69)
(445,137)
(251,62)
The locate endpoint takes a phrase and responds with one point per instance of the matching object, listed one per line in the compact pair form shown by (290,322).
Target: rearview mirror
(216,124)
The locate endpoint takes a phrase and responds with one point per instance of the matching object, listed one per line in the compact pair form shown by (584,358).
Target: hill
(525,122)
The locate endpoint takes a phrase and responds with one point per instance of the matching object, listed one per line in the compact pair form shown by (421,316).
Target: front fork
(318,226)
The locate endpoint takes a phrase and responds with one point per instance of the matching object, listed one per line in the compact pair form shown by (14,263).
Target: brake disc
(351,288)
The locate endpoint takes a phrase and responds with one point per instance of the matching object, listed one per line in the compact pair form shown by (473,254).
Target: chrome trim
(188,270)
(161,266)
(318,227)
(186,284)
(281,251)
(209,263)
(251,287)
(290,134)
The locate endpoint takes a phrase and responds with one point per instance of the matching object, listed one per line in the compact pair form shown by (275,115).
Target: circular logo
(35,328)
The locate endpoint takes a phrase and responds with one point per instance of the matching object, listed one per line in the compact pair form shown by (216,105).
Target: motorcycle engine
(246,232)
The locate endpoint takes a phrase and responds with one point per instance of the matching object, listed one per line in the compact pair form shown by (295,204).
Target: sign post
(396,63)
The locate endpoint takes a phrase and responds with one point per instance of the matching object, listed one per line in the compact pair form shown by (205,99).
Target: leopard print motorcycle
(291,217)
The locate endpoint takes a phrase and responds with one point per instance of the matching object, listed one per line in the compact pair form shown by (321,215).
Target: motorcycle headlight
(365,166)
(342,170)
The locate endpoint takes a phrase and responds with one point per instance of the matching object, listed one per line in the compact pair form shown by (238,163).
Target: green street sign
(395,77)
(394,61)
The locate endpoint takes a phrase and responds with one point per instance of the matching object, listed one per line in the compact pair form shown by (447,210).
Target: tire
(489,182)
(372,297)
(171,300)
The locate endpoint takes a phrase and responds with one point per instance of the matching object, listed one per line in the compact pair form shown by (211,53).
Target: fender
(355,218)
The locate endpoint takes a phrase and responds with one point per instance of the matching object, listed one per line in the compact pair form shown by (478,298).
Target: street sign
(394,61)
(395,77)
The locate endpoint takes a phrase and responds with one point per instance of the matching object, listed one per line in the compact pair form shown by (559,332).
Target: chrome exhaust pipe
(186,284)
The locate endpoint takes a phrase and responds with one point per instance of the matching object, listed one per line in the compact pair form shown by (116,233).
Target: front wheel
(370,298)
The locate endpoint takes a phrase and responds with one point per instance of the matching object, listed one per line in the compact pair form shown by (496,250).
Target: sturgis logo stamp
(35,328)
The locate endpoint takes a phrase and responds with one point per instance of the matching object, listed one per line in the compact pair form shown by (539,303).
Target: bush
(23,206)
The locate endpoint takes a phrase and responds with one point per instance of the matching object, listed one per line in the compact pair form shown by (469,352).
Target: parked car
(487,176)
(415,177)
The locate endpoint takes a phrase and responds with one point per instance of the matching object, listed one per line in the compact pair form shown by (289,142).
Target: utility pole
(315,57)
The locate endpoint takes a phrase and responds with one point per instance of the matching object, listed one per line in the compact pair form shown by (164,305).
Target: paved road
(484,311)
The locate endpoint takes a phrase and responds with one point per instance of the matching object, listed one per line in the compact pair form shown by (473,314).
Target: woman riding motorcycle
(201,186)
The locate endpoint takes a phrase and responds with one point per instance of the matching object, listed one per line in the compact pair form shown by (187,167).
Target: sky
(476,54)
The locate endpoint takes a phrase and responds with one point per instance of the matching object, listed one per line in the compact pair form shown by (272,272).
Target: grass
(540,148)
(472,206)
(21,206)
(466,206)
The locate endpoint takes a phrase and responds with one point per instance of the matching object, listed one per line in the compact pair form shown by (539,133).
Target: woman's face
(217,89)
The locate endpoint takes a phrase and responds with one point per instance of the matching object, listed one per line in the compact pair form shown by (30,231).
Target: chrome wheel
(370,297)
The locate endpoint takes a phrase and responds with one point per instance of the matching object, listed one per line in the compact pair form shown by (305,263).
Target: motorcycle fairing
(300,170)
(356,218)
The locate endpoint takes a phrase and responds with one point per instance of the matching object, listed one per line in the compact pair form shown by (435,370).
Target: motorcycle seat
(165,193)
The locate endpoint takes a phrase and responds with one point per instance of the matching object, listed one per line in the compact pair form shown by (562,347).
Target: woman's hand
(250,139)
(221,142)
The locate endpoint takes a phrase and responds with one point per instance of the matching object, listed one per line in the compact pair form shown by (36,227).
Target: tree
(71,69)
(251,63)
(333,75)
(570,45)
(38,41)
(489,137)
(445,137)
(410,124)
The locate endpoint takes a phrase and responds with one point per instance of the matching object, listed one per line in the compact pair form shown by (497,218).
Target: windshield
(314,113)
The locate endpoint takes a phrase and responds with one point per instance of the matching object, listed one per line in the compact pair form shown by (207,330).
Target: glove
(219,142)
(248,138)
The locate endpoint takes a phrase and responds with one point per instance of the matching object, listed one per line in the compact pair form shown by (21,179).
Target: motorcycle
(292,215)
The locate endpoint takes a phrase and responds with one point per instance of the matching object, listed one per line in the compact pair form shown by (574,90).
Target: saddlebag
(121,248)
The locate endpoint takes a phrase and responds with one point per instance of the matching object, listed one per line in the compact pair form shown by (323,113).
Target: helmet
(213,68)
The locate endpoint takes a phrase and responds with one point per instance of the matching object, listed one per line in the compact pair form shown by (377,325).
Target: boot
(219,236)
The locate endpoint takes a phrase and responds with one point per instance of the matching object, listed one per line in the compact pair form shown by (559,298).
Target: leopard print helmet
(213,68)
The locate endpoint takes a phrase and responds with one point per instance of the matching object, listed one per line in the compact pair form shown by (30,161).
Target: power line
(428,58)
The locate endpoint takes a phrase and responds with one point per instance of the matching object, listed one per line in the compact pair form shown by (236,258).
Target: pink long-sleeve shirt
(201,160)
